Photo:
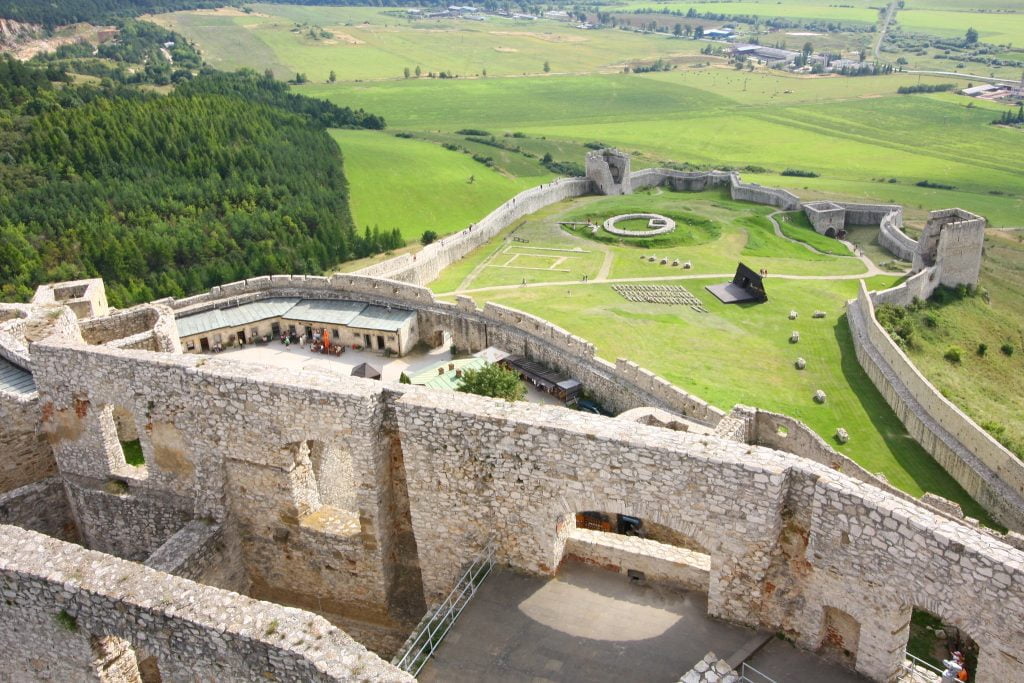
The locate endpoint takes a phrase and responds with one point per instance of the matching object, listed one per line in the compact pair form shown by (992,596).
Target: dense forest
(52,13)
(167,195)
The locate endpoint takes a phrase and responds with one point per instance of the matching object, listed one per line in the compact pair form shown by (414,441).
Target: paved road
(957,74)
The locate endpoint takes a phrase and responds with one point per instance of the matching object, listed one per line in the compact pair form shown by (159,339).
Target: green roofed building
(345,323)
(447,375)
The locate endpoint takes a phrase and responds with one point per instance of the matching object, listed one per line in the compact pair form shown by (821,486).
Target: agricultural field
(714,354)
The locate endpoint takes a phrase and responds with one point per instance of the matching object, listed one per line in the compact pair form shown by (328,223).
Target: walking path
(890,10)
(872,269)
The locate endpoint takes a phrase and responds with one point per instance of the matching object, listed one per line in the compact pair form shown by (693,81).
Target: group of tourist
(955,668)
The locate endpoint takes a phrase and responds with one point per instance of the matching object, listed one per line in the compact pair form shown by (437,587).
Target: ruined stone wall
(62,600)
(225,440)
(788,539)
(206,552)
(25,457)
(825,216)
(773,196)
(147,327)
(990,473)
(659,562)
(41,506)
(871,214)
(891,238)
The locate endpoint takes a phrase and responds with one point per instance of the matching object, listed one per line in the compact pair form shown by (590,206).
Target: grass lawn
(410,184)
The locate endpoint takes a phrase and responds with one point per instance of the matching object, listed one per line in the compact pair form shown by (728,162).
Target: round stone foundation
(659,225)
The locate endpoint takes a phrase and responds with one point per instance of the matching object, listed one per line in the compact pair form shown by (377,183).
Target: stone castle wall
(990,473)
(891,238)
(227,441)
(41,506)
(70,612)
(26,457)
(788,539)
(148,327)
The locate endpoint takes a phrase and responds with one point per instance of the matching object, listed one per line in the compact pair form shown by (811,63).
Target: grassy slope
(409,184)
(972,321)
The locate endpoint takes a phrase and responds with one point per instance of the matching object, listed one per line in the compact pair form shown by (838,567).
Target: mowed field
(863,140)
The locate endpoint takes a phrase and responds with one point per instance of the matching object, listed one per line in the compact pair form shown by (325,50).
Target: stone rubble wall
(25,457)
(148,327)
(59,598)
(825,216)
(41,506)
(788,539)
(659,562)
(990,473)
(711,669)
(221,440)
(204,552)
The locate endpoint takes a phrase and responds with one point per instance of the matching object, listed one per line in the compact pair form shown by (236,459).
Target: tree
(808,50)
(495,381)
(698,33)
(404,378)
(547,67)
(333,77)
(418,71)
(484,72)
(268,74)
(428,237)
(407,72)
(971,37)
(677,30)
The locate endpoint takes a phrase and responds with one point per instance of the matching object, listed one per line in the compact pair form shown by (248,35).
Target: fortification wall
(206,552)
(41,506)
(58,618)
(891,238)
(871,214)
(148,327)
(990,473)
(26,457)
(788,539)
(825,216)
(658,561)
(222,439)
(426,265)
(773,196)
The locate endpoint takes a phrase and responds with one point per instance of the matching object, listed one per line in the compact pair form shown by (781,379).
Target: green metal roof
(326,311)
(329,311)
(430,377)
(383,319)
(236,316)
(14,380)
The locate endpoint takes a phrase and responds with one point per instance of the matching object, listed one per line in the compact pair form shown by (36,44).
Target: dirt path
(868,263)
(890,11)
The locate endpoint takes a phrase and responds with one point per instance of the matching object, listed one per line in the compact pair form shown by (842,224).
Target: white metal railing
(913,664)
(427,638)
(749,674)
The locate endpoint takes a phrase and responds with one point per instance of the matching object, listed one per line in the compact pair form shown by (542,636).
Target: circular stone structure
(659,224)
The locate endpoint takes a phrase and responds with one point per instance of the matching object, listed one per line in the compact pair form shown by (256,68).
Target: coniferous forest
(164,195)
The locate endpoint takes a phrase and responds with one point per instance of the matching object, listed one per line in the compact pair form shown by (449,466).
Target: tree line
(228,178)
(59,12)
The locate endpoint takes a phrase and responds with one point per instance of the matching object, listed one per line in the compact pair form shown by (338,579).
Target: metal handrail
(912,661)
(746,669)
(432,631)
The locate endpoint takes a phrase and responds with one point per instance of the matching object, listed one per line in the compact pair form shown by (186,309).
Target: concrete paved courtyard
(589,624)
(391,369)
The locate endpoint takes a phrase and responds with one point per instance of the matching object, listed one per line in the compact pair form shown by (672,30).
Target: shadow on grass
(915,460)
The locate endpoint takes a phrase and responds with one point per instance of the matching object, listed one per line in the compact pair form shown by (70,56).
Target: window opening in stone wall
(128,437)
(204,344)
(934,641)
(149,670)
(840,637)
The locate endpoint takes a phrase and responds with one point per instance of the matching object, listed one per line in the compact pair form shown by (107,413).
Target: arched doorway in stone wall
(933,639)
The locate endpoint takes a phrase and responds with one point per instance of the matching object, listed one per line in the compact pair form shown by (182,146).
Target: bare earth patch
(505,49)
(550,37)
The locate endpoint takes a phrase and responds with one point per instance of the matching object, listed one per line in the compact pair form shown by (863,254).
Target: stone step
(747,649)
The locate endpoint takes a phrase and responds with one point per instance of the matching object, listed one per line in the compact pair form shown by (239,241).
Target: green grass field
(410,184)
(993,28)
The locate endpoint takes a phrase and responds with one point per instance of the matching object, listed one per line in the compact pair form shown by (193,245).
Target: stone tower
(609,169)
(952,243)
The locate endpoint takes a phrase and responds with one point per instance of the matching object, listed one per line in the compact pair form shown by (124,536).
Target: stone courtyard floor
(590,624)
(278,355)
